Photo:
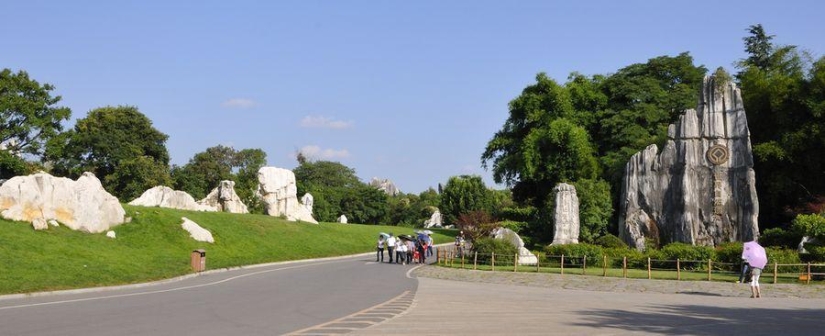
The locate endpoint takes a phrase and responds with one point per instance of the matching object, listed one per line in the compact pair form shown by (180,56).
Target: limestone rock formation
(435,220)
(165,197)
(224,199)
(701,188)
(276,187)
(525,257)
(566,217)
(196,231)
(342,219)
(111,234)
(308,201)
(82,205)
(385,185)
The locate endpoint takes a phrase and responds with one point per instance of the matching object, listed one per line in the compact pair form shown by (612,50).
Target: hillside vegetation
(153,246)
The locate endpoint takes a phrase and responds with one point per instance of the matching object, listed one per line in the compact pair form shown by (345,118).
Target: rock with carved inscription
(566,217)
(700,189)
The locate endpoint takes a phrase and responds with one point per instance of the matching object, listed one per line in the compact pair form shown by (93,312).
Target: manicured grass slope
(153,246)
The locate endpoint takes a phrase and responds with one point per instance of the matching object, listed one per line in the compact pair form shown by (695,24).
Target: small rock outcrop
(165,197)
(342,219)
(700,189)
(224,199)
(566,217)
(196,231)
(385,185)
(81,205)
(308,201)
(525,257)
(435,220)
(277,189)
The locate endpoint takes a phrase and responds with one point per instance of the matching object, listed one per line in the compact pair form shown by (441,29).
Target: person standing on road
(459,243)
(391,245)
(410,251)
(429,245)
(379,254)
(743,275)
(401,252)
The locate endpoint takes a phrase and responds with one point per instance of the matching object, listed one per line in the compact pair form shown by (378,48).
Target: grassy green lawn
(153,246)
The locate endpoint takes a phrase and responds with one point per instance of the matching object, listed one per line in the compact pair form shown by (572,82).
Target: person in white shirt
(391,245)
(401,252)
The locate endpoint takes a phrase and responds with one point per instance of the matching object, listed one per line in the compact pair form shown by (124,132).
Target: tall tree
(464,194)
(206,169)
(104,140)
(782,89)
(329,183)
(28,115)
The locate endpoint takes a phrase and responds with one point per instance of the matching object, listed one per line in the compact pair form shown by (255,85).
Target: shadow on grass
(708,320)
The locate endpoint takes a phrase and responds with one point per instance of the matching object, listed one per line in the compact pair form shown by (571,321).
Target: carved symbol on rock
(717,154)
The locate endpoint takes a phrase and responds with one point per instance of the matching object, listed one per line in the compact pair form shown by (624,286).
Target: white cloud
(240,103)
(324,122)
(315,152)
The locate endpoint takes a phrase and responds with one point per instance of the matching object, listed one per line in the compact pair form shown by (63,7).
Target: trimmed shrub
(778,237)
(684,251)
(486,246)
(574,250)
(610,241)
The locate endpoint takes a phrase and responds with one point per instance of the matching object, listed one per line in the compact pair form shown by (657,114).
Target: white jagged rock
(385,185)
(196,231)
(342,219)
(525,257)
(435,220)
(566,217)
(223,198)
(81,205)
(308,201)
(277,189)
(111,234)
(165,197)
(700,189)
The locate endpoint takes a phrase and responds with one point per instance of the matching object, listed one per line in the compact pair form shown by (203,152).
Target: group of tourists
(406,249)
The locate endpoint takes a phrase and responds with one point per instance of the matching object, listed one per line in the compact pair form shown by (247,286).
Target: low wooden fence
(628,267)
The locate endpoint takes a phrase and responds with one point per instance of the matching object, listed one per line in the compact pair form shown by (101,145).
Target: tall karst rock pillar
(700,189)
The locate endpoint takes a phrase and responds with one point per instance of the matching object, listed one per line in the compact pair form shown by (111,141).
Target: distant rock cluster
(385,185)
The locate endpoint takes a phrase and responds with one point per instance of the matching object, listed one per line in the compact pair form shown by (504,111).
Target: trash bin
(199,260)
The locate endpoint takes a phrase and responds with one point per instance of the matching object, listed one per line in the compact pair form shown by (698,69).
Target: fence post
(808,281)
(775,269)
(710,267)
(678,270)
(462,261)
(584,265)
(604,265)
(562,264)
(538,259)
(648,268)
(515,263)
(475,260)
(624,266)
(493,261)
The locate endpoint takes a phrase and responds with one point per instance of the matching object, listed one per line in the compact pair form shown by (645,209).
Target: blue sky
(406,90)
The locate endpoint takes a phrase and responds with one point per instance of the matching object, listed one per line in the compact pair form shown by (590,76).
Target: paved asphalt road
(262,300)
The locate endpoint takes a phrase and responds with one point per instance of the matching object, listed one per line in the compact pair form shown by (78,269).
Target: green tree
(107,138)
(365,204)
(136,175)
(206,169)
(595,208)
(329,183)
(28,115)
(784,96)
(540,144)
(464,194)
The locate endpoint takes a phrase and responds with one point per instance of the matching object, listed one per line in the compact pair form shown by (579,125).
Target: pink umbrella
(754,254)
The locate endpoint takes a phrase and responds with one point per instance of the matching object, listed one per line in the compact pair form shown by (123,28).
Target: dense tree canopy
(206,169)
(28,115)
(329,183)
(784,95)
(106,139)
(464,194)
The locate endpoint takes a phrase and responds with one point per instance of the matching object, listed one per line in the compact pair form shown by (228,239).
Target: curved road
(270,299)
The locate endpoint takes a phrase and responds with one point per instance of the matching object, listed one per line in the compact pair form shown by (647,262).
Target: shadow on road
(708,320)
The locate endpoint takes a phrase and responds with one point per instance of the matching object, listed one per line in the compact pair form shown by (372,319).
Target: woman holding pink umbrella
(754,254)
